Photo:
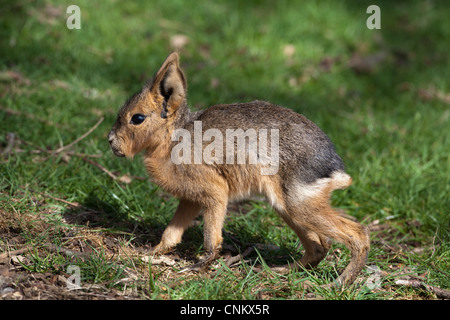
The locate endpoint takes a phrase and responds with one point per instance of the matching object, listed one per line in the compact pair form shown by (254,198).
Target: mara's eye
(137,119)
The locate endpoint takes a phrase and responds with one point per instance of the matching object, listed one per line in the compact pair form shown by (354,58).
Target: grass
(381,95)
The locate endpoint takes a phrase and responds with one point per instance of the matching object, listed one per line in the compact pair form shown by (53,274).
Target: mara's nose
(111,137)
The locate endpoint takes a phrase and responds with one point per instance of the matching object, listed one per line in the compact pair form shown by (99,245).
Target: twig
(417,284)
(7,254)
(66,252)
(51,247)
(72,204)
(29,116)
(80,138)
(239,257)
(83,155)
(10,139)
(51,152)
(109,173)
(124,178)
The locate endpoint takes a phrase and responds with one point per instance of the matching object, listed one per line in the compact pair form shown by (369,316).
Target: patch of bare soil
(22,285)
(17,282)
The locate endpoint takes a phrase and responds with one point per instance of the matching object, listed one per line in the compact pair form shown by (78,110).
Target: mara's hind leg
(356,238)
(328,223)
(308,209)
(316,222)
(316,247)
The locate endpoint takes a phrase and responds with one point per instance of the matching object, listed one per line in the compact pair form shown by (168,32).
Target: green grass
(388,118)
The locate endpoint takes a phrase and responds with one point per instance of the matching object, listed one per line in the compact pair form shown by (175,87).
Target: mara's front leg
(185,213)
(213,217)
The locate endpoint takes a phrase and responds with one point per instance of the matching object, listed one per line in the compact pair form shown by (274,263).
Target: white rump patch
(338,180)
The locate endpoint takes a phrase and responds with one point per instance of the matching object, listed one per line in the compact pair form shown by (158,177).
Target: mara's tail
(340,180)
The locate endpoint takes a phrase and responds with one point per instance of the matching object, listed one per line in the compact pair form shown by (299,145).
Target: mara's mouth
(117,153)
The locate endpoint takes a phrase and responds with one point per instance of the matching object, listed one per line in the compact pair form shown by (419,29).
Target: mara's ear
(169,86)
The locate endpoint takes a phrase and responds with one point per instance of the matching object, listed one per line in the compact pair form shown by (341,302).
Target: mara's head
(148,113)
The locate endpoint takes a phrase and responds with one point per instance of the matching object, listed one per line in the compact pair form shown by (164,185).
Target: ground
(115,265)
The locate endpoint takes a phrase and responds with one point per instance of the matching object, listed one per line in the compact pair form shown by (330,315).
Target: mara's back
(305,152)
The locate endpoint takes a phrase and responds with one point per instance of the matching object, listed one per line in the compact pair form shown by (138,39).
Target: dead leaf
(293,82)
(205,51)
(367,63)
(10,76)
(19,260)
(59,84)
(431,93)
(376,275)
(288,53)
(159,260)
(288,50)
(178,41)
(442,96)
(327,63)
(214,83)
(47,15)
(10,141)
(65,157)
(125,179)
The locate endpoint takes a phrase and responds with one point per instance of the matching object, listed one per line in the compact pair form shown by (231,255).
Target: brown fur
(308,169)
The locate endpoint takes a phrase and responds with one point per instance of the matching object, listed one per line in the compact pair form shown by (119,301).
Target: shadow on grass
(96,213)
